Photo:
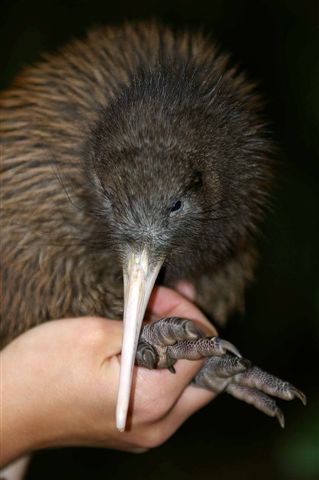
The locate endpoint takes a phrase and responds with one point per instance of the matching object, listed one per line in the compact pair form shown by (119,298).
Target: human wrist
(18,435)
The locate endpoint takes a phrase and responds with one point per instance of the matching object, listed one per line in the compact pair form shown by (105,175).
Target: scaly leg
(164,342)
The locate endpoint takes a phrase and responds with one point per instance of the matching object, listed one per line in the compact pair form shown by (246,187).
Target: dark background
(277,42)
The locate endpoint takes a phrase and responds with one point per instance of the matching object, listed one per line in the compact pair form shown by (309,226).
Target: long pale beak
(139,279)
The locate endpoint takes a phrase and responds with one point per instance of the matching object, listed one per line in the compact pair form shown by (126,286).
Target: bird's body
(135,135)
(133,151)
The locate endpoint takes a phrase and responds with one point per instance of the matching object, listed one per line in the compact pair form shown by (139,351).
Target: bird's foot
(164,342)
(248,383)
(157,340)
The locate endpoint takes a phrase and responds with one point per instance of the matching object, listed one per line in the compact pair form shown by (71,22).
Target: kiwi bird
(135,151)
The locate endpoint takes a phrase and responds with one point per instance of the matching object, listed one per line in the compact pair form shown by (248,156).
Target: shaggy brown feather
(54,260)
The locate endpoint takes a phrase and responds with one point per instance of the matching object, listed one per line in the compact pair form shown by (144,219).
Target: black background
(277,42)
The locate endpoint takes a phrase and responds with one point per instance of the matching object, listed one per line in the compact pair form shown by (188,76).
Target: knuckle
(92,331)
(154,437)
(138,450)
(155,399)
(154,409)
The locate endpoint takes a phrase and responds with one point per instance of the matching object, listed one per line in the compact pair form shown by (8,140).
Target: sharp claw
(193,330)
(227,346)
(299,394)
(245,363)
(280,417)
(171,369)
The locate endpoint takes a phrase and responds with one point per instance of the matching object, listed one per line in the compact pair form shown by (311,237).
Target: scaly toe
(229,347)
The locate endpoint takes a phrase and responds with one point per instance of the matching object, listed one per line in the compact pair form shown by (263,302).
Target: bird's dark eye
(176,206)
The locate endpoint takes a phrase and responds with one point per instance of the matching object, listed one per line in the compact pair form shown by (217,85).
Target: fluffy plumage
(136,134)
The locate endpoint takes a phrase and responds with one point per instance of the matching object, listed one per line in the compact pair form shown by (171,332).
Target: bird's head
(178,172)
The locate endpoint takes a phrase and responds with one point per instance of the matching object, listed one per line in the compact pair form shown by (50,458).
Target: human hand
(60,381)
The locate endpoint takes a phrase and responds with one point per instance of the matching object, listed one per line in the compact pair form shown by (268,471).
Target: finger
(186,289)
(165,302)
(160,389)
(192,400)
(154,390)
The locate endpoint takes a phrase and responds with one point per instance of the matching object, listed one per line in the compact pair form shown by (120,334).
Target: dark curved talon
(172,369)
(280,417)
(299,394)
(229,347)
(146,356)
(192,330)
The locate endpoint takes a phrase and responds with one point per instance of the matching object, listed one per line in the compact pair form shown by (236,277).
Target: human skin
(60,379)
